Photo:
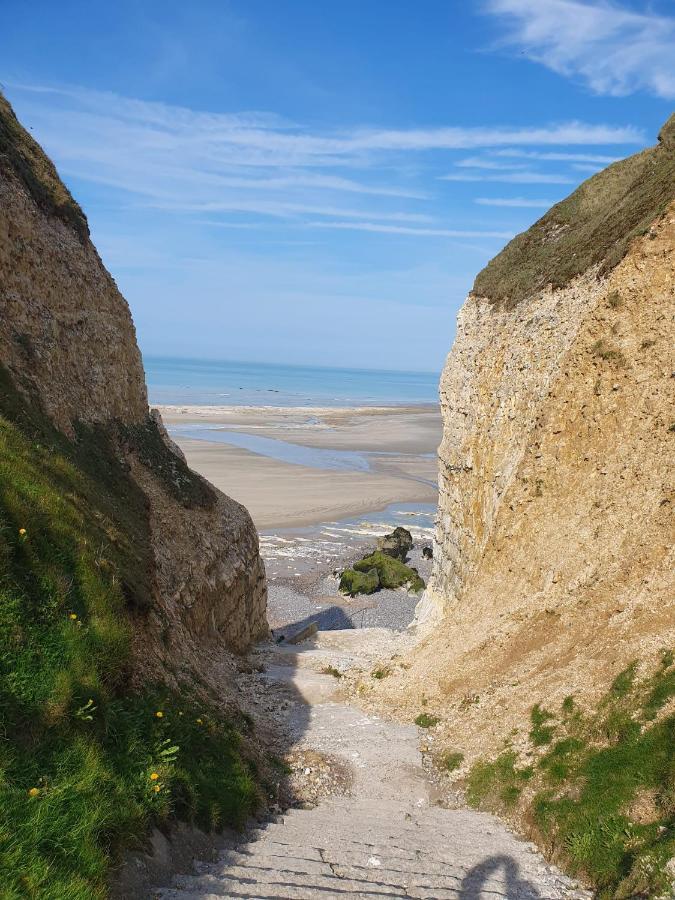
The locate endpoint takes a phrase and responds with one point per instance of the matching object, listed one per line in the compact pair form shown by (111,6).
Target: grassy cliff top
(594,225)
(22,156)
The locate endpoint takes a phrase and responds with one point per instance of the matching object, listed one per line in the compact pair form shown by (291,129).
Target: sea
(224,383)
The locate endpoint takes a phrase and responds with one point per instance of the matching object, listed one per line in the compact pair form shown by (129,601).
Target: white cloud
(557,156)
(514,202)
(477,162)
(256,165)
(611,48)
(510,177)
(403,229)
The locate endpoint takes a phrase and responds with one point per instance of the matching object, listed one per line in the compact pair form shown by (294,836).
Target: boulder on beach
(392,572)
(427,553)
(397,544)
(353,582)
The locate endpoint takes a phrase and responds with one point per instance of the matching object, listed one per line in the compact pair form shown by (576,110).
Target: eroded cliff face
(553,561)
(70,358)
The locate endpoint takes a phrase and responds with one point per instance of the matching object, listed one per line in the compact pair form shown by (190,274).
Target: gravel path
(388,837)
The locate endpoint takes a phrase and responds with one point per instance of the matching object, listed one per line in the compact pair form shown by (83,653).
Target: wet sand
(367,458)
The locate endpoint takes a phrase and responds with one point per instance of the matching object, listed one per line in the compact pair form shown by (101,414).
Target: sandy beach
(308,465)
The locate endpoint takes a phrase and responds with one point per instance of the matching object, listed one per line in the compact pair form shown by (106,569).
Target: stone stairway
(354,848)
(387,838)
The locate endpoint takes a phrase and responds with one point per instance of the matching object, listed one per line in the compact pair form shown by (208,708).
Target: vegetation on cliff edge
(86,764)
(20,154)
(598,787)
(593,226)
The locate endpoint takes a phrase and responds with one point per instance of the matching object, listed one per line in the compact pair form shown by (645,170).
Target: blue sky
(319,182)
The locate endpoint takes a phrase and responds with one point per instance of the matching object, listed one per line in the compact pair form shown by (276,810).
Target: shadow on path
(331,618)
(474,882)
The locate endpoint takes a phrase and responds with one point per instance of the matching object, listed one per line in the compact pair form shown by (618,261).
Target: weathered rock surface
(68,345)
(553,557)
(397,544)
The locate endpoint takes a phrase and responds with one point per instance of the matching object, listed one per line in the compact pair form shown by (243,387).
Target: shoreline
(302,466)
(197,410)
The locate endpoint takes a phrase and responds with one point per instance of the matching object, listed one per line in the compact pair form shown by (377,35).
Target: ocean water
(207,382)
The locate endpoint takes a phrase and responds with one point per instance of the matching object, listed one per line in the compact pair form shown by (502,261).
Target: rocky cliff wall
(553,561)
(68,348)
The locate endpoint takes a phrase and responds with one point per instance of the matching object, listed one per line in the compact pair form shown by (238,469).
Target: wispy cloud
(611,48)
(403,229)
(514,202)
(557,156)
(478,162)
(509,177)
(257,167)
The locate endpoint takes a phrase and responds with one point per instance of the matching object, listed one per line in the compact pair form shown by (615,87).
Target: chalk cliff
(553,557)
(70,362)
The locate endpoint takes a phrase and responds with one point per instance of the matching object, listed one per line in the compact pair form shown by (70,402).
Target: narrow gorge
(516,741)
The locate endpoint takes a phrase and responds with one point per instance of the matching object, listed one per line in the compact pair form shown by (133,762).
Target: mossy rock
(362,582)
(392,572)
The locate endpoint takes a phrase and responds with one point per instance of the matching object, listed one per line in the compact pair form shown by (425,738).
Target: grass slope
(598,788)
(21,155)
(87,765)
(593,225)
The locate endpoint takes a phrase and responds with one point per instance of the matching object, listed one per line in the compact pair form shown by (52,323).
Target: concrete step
(250,875)
(232,887)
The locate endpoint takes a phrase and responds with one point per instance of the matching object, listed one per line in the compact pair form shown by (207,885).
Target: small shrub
(381,673)
(614,300)
(623,681)
(425,720)
(331,670)
(607,353)
(452,760)
(469,700)
(541,733)
(568,705)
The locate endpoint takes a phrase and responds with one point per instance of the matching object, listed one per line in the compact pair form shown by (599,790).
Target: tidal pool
(296,454)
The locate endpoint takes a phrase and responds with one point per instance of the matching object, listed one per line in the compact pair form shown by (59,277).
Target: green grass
(451,760)
(594,225)
(540,733)
(425,720)
(602,795)
(78,747)
(500,780)
(20,154)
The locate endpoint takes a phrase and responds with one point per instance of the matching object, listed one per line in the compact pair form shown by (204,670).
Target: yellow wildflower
(159,714)
(73,616)
(199,722)
(158,788)
(154,776)
(22,532)
(33,792)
